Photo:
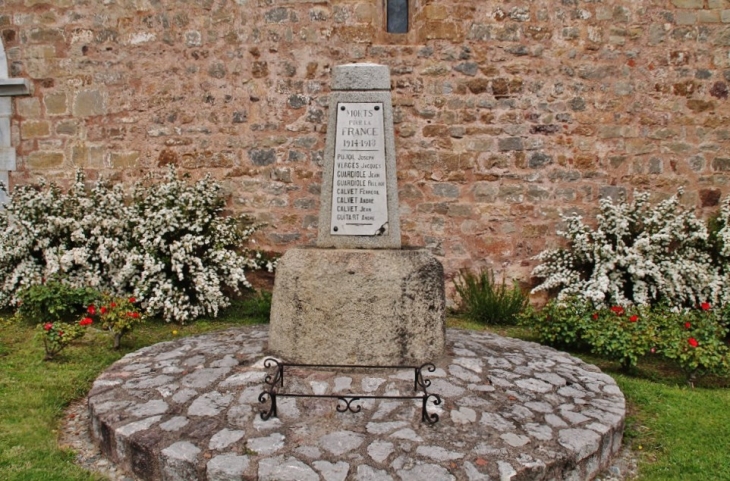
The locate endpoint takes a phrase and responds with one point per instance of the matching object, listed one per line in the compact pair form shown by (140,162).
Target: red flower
(48,326)
(135,315)
(86,321)
(634,318)
(113,305)
(693,342)
(132,300)
(103,310)
(652,350)
(91,310)
(688,325)
(618,310)
(705,306)
(595,316)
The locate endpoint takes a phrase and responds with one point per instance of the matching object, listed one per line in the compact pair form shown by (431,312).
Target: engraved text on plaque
(359,193)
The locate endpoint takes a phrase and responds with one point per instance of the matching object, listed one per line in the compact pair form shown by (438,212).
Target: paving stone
(438,453)
(573,417)
(150,408)
(541,407)
(550,377)
(227,361)
(471,363)
(497,422)
(179,461)
(515,440)
(244,378)
(184,395)
(136,426)
(463,415)
(534,385)
(210,404)
(425,471)
(283,468)
(473,473)
(583,442)
(570,391)
(521,413)
(342,384)
(408,434)
(287,408)
(318,387)
(224,438)
(382,428)
(380,450)
(332,472)
(445,389)
(148,382)
(506,471)
(463,374)
(463,352)
(227,467)
(175,424)
(311,452)
(539,431)
(340,442)
(204,377)
(385,408)
(555,421)
(266,445)
(371,384)
(366,473)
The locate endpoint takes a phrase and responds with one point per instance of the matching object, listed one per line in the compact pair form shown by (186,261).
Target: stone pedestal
(343,306)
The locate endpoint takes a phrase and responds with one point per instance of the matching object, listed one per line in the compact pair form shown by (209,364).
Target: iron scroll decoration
(346,402)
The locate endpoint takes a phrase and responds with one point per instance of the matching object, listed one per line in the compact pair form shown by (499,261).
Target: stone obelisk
(358,297)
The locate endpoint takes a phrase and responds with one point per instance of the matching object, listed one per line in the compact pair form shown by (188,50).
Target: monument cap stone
(361,76)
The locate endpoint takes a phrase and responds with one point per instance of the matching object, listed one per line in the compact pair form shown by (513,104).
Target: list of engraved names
(359,194)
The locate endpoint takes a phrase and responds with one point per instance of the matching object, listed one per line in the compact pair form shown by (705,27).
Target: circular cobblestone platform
(189,409)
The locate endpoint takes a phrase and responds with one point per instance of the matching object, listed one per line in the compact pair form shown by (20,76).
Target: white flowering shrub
(720,236)
(171,247)
(182,251)
(47,234)
(637,254)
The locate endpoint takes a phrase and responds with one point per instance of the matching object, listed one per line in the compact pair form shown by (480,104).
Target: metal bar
(346,366)
(342,396)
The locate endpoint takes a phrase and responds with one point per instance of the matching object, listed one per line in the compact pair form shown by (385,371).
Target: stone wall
(507,113)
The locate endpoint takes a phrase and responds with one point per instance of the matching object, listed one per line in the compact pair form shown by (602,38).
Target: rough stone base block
(358,307)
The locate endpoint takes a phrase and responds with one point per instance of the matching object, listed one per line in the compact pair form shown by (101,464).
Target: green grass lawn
(679,433)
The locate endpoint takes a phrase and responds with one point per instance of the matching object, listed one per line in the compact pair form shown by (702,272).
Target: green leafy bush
(257,306)
(560,324)
(693,338)
(485,302)
(696,339)
(57,335)
(54,301)
(118,315)
(621,335)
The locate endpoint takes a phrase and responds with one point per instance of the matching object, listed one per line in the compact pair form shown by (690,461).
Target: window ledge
(10,87)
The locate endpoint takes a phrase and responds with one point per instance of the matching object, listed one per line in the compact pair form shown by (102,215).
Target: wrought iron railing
(350,400)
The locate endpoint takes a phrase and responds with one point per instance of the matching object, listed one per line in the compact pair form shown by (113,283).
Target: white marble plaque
(359,193)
